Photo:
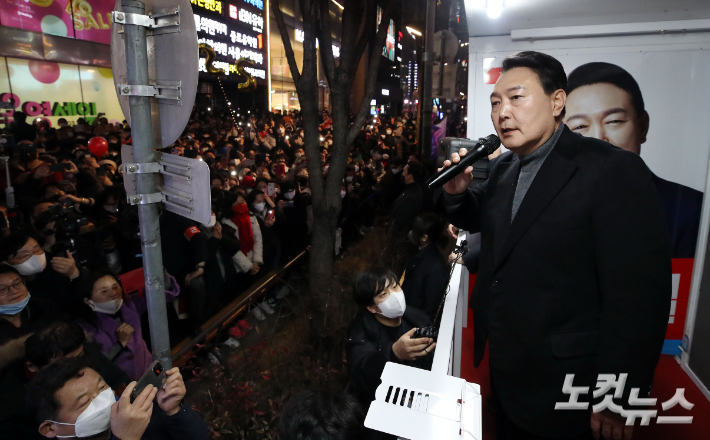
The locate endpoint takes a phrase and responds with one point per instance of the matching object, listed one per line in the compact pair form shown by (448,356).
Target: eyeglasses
(16,285)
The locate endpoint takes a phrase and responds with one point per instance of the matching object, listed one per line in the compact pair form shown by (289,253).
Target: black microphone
(476,150)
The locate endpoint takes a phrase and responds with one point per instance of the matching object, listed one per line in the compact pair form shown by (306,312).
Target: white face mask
(342,194)
(290,195)
(389,131)
(34,265)
(395,170)
(107,307)
(357,168)
(95,419)
(298,155)
(394,306)
(259,206)
(111,208)
(306,191)
(349,178)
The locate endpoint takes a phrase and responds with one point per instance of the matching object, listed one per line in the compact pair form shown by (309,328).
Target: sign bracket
(166,90)
(158,19)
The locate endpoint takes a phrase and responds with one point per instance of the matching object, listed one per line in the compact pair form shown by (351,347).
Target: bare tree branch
(326,42)
(369,23)
(375,57)
(290,56)
(352,18)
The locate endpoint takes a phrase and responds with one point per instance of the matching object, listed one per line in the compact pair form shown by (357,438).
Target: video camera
(66,227)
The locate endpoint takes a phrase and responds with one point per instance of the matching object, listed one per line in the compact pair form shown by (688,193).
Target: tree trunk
(358,24)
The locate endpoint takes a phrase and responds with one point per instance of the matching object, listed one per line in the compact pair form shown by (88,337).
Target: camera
(66,228)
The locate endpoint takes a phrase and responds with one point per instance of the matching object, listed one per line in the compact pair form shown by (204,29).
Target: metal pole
(441,65)
(425,94)
(142,134)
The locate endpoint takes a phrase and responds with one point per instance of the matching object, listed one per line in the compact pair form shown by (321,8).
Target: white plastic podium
(417,404)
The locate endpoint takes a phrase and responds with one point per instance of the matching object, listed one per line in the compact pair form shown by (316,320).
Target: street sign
(184,184)
(448,84)
(450,46)
(173,65)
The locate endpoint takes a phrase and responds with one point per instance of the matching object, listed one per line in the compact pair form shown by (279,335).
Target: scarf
(242,221)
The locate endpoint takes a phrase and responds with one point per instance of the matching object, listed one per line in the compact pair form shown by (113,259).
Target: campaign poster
(653,103)
(82,19)
(48,90)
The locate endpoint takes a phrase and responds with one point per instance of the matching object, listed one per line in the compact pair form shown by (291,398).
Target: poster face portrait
(605,111)
(604,101)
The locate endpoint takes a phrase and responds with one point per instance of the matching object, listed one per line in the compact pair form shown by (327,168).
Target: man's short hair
(371,283)
(41,400)
(54,341)
(598,72)
(416,170)
(547,68)
(317,415)
(19,116)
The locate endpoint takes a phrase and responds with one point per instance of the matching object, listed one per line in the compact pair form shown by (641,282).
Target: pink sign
(83,19)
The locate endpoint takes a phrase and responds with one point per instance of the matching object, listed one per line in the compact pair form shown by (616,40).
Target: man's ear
(374,309)
(643,126)
(32,368)
(559,99)
(47,429)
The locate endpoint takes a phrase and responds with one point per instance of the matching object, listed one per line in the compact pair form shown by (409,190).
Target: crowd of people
(72,315)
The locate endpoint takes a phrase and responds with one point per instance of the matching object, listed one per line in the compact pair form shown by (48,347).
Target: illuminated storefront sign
(212,27)
(256,3)
(250,18)
(234,30)
(210,5)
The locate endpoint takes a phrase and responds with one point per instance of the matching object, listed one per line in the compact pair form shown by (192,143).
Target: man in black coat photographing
(575,263)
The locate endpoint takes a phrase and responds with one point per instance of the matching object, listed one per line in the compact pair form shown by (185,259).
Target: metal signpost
(155,66)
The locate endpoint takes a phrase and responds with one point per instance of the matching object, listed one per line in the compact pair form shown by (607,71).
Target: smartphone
(289,204)
(270,215)
(271,189)
(154,375)
(59,167)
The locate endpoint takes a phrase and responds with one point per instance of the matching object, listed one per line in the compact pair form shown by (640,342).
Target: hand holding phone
(271,189)
(154,375)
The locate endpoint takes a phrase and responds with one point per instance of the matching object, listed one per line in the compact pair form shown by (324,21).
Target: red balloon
(98,146)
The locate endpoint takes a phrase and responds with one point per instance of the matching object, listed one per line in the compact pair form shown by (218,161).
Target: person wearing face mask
(52,278)
(69,399)
(410,201)
(113,319)
(392,182)
(268,215)
(293,230)
(20,315)
(56,341)
(427,273)
(382,332)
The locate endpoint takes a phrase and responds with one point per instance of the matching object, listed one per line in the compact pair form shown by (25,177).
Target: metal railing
(210,329)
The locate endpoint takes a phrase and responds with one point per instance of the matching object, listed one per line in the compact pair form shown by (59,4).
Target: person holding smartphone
(70,399)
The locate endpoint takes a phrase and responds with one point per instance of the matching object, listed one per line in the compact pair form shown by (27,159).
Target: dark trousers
(507,430)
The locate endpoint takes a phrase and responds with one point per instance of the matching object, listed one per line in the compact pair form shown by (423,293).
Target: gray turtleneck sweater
(529,166)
